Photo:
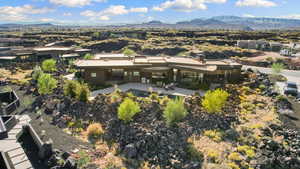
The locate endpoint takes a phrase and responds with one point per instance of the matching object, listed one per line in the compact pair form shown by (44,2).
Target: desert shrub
(214,101)
(193,153)
(88,56)
(83,92)
(49,65)
(127,109)
(164,101)
(129,52)
(37,71)
(95,130)
(214,135)
(70,88)
(235,156)
(175,111)
(247,150)
(83,159)
(262,87)
(46,84)
(213,155)
(233,165)
(154,97)
(277,67)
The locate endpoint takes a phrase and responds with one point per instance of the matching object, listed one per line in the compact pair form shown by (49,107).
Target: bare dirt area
(267,55)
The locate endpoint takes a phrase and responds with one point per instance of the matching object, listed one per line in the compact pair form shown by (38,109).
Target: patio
(145,87)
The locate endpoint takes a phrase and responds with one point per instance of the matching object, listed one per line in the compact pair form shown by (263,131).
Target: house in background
(156,69)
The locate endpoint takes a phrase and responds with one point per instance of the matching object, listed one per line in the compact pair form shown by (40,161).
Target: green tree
(277,67)
(46,84)
(49,65)
(37,71)
(128,109)
(82,92)
(174,111)
(129,52)
(88,56)
(214,101)
(70,88)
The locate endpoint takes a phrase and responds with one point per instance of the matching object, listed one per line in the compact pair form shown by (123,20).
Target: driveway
(291,75)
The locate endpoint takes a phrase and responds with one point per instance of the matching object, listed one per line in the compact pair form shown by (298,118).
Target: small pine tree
(49,65)
(70,88)
(214,101)
(277,67)
(128,109)
(174,111)
(37,71)
(46,84)
(82,92)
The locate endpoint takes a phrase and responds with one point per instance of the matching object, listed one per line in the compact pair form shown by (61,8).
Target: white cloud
(186,5)
(74,3)
(67,14)
(113,10)
(46,20)
(104,18)
(248,16)
(256,3)
(142,10)
(20,13)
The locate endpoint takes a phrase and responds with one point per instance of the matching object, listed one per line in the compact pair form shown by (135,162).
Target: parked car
(291,88)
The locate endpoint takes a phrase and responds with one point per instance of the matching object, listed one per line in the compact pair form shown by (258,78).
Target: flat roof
(70,55)
(44,49)
(154,61)
(8,57)
(99,56)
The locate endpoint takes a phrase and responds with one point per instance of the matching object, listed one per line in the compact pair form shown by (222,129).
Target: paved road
(291,75)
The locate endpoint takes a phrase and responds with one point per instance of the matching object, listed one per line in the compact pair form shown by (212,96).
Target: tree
(88,56)
(174,111)
(46,84)
(128,109)
(82,92)
(49,65)
(129,52)
(37,71)
(214,101)
(70,88)
(277,67)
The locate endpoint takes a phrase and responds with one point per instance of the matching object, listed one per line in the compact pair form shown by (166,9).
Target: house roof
(188,63)
(46,49)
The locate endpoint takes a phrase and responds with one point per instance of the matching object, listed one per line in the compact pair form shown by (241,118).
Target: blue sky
(102,12)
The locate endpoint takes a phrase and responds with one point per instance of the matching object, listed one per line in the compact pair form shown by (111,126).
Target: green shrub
(46,84)
(37,71)
(174,111)
(214,101)
(128,109)
(83,92)
(88,56)
(277,67)
(129,52)
(83,159)
(214,135)
(49,65)
(70,88)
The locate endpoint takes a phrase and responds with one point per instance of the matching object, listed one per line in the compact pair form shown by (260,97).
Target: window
(136,73)
(93,74)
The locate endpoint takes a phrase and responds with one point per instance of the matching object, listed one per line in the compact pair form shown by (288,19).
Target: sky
(105,12)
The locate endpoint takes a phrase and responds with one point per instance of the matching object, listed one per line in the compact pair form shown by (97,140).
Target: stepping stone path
(13,147)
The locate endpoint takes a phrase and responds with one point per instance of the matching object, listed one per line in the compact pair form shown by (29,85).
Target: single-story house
(150,69)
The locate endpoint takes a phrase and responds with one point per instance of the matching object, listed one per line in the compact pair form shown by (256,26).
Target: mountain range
(218,22)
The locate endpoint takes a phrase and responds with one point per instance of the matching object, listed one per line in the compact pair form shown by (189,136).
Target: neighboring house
(275,46)
(159,69)
(253,44)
